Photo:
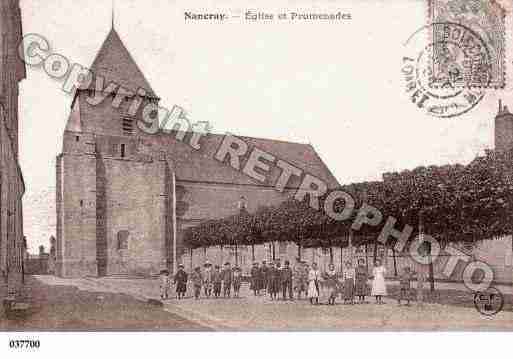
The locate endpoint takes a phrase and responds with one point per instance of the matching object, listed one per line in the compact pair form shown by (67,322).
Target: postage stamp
(486,19)
(446,77)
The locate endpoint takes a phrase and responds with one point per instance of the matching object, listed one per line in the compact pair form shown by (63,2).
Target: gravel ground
(67,308)
(453,310)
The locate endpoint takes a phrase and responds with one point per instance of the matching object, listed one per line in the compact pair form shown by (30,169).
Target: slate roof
(201,165)
(115,64)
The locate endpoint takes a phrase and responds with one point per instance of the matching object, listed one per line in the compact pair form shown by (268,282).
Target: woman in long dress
(314,276)
(379,288)
(348,291)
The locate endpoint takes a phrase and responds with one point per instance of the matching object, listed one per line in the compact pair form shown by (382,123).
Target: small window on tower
(128,125)
(122,150)
(123,239)
(77,138)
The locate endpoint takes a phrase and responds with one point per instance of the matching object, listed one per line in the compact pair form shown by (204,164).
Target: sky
(336,85)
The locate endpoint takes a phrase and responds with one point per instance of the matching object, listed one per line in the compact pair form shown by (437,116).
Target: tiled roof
(115,64)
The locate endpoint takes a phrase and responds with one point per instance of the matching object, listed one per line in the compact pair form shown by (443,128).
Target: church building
(125,196)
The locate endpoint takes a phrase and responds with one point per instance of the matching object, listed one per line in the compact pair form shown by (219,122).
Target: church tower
(113,189)
(503,129)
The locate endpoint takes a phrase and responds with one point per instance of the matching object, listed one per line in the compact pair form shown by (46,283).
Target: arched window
(123,239)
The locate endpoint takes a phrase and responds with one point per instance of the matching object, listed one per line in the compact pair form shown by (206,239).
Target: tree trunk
(274,251)
(431,271)
(350,246)
(366,258)
(341,258)
(420,274)
(253,252)
(395,262)
(331,255)
(299,251)
(191,259)
(236,256)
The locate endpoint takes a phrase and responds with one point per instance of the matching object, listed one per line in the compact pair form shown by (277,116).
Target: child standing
(379,288)
(197,281)
(405,286)
(349,275)
(237,280)
(227,276)
(361,278)
(286,281)
(256,279)
(207,279)
(164,283)
(180,280)
(273,277)
(264,270)
(217,279)
(300,277)
(314,276)
(331,283)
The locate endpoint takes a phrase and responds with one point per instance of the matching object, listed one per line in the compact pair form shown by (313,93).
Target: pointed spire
(112,16)
(115,64)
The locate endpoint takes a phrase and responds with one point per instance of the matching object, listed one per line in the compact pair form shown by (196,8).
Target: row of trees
(454,203)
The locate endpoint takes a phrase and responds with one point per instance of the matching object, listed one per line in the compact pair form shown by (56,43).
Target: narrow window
(81,203)
(77,138)
(122,150)
(123,239)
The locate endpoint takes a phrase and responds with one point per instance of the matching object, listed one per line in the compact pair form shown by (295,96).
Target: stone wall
(11,219)
(134,206)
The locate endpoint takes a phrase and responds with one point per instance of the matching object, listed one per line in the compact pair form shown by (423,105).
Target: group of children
(212,280)
(271,279)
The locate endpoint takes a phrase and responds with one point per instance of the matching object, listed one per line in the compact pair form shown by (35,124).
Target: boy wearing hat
(256,279)
(273,277)
(217,279)
(180,280)
(237,280)
(286,281)
(227,276)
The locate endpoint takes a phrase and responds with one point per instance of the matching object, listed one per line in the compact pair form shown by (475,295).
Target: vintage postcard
(290,165)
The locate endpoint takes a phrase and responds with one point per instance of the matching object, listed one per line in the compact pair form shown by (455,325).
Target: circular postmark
(489,302)
(446,69)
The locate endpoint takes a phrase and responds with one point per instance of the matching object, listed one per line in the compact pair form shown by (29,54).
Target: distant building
(124,197)
(38,263)
(12,188)
(503,129)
